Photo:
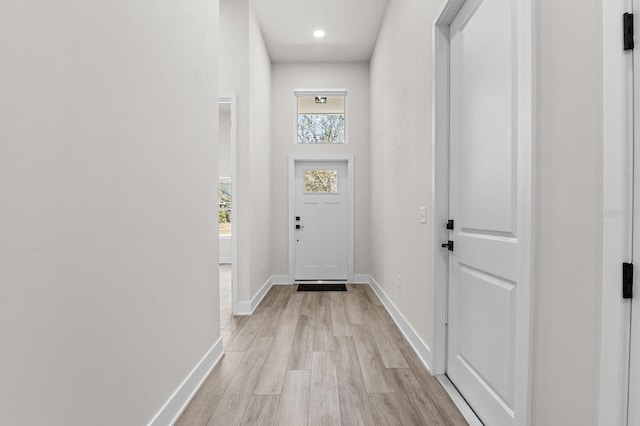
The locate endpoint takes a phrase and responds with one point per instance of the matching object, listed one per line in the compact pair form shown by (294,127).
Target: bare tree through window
(321,128)
(224,212)
(321,181)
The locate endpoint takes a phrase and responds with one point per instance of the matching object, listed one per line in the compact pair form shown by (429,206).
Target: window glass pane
(321,119)
(319,181)
(224,213)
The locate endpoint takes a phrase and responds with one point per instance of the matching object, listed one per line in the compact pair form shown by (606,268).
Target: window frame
(320,92)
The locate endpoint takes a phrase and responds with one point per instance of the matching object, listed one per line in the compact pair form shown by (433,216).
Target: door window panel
(321,181)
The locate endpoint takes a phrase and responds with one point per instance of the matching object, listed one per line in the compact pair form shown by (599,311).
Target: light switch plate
(423,215)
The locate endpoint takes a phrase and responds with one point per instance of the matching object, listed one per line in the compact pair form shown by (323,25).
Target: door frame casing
(232,99)
(349,159)
(525,94)
(617,216)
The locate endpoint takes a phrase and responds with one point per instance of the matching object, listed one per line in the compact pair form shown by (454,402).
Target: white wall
(286,78)
(245,70)
(224,168)
(568,191)
(224,141)
(401,157)
(260,160)
(108,254)
(234,78)
(569,213)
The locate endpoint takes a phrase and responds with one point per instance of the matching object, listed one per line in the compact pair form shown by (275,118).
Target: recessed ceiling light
(318,33)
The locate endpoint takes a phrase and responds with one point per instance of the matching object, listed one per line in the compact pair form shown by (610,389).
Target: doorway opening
(227,212)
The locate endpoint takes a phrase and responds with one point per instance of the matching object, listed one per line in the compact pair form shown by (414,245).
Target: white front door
(484,264)
(321,220)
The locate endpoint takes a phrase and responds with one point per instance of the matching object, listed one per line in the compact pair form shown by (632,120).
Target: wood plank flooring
(334,358)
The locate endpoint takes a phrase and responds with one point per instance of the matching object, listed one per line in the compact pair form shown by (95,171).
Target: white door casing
(634,342)
(323,248)
(633,308)
(483,114)
(618,238)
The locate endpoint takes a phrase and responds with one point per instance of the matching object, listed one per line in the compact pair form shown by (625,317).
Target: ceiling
(351,28)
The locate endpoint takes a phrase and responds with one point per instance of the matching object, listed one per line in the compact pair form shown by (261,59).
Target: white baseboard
(361,279)
(225,260)
(419,346)
(459,401)
(280,279)
(244,308)
(178,402)
(247,307)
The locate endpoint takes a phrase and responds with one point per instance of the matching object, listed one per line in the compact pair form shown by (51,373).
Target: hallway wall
(260,151)
(286,79)
(569,213)
(401,157)
(224,169)
(108,246)
(245,69)
(224,144)
(568,210)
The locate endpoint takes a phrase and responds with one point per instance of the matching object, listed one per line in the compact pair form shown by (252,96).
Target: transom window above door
(321,117)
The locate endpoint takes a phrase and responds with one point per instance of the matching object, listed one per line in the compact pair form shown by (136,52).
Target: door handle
(448,245)
(299,226)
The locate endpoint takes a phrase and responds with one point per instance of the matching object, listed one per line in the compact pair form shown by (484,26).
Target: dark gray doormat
(322,287)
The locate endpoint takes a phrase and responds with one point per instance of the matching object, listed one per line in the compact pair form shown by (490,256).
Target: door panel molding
(349,159)
(523,15)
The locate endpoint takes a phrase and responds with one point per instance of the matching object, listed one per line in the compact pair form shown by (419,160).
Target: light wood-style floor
(225,297)
(328,358)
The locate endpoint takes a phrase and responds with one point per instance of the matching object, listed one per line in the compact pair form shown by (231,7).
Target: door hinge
(627,31)
(627,280)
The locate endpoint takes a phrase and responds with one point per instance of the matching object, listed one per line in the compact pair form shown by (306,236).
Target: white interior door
(483,202)
(321,220)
